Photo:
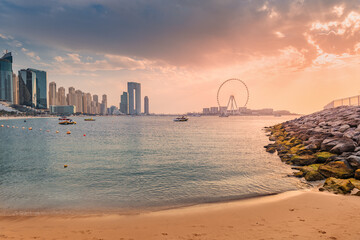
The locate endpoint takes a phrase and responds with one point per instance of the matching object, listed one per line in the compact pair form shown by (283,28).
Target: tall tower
(134,98)
(41,89)
(27,88)
(6,75)
(124,103)
(61,96)
(146,105)
(79,101)
(103,108)
(52,94)
(71,96)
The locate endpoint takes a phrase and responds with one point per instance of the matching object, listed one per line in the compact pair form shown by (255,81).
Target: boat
(181,119)
(89,119)
(67,122)
(64,119)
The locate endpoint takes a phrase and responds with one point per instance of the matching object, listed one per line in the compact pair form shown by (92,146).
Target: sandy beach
(291,215)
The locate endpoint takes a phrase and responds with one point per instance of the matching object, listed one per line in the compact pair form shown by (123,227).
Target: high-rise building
(124,103)
(84,103)
(96,106)
(6,75)
(134,98)
(61,99)
(15,89)
(27,88)
(41,88)
(71,97)
(88,103)
(146,105)
(103,105)
(79,101)
(52,94)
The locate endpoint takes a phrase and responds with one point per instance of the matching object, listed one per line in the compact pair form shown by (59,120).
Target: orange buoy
(47,130)
(13,126)
(7,126)
(68,132)
(57,131)
(2,125)
(30,128)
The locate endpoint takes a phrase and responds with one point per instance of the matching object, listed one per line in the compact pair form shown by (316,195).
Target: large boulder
(323,156)
(343,146)
(357,174)
(313,176)
(338,169)
(343,128)
(354,161)
(343,186)
(302,160)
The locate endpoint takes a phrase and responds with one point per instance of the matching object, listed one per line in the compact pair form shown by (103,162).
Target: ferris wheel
(229,91)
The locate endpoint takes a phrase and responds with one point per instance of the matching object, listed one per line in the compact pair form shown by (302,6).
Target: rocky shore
(322,146)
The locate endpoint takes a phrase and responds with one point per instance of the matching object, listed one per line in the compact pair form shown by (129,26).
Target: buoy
(7,126)
(30,128)
(57,131)
(47,130)
(68,132)
(84,135)
(40,129)
(13,126)
(65,166)
(17,127)
(2,125)
(23,127)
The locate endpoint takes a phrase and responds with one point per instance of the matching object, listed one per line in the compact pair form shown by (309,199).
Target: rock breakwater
(322,146)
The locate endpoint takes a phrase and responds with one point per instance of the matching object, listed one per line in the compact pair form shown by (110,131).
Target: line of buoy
(30,128)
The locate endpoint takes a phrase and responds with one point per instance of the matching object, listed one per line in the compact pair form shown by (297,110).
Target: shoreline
(144,209)
(289,215)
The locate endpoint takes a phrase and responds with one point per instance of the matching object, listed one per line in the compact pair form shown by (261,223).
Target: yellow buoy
(65,166)
(30,128)
(68,132)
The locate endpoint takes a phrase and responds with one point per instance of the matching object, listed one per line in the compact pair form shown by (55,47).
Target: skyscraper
(71,96)
(41,88)
(78,102)
(6,75)
(88,103)
(52,94)
(27,88)
(85,110)
(103,106)
(96,107)
(134,98)
(146,105)
(124,103)
(15,89)
(61,99)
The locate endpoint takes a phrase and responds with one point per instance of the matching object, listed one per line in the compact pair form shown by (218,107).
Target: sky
(296,55)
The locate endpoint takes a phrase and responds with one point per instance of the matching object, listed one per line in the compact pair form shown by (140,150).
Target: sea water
(145,162)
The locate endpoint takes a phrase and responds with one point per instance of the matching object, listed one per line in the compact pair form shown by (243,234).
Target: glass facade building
(41,88)
(27,88)
(6,78)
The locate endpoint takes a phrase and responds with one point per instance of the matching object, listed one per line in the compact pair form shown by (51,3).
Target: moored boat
(67,122)
(181,119)
(89,119)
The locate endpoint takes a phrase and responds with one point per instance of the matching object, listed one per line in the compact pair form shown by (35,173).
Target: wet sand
(292,215)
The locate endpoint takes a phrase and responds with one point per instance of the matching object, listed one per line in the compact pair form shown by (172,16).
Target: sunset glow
(297,55)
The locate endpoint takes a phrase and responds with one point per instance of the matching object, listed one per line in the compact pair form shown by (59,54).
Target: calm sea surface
(126,163)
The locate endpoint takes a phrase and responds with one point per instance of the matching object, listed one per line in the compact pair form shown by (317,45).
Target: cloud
(30,54)
(181,32)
